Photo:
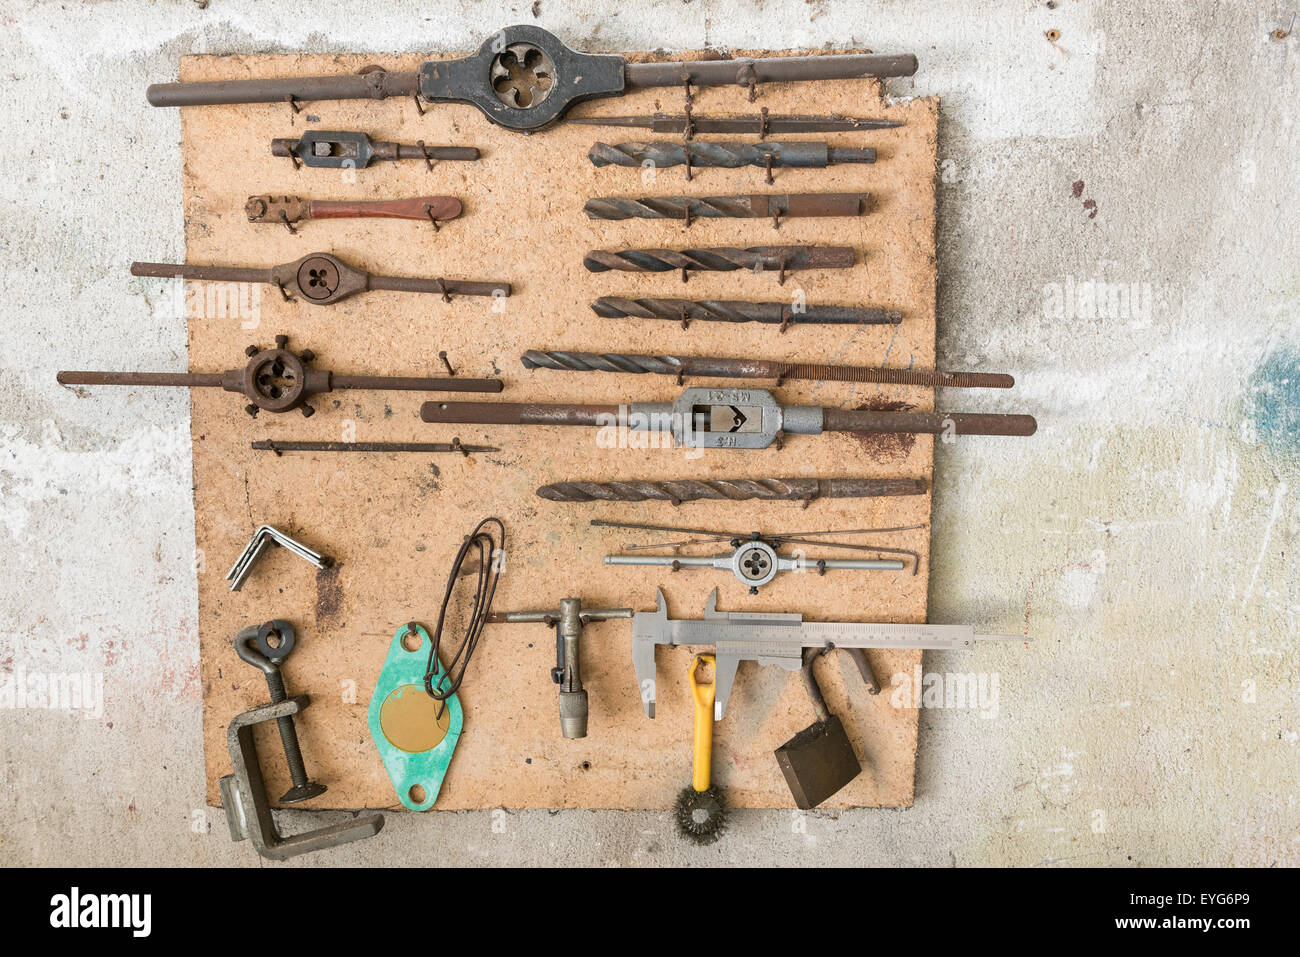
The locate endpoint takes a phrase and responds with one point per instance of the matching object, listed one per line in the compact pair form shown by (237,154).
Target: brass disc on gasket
(408,719)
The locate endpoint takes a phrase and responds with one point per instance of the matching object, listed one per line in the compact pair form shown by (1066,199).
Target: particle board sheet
(392,523)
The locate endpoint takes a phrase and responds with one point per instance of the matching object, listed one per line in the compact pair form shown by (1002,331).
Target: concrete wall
(1118,228)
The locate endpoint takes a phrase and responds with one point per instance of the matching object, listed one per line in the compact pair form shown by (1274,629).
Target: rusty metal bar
(761,124)
(781,69)
(727,368)
(374,85)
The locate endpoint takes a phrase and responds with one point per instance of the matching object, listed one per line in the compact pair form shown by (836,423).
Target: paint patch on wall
(1273,400)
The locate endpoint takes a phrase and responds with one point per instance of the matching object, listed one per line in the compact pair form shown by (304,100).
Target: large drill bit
(727,155)
(721,259)
(723,368)
(754,206)
(735,490)
(726,310)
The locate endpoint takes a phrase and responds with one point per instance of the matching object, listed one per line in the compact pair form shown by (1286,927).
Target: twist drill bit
(735,490)
(721,259)
(709,310)
(725,368)
(728,207)
(727,155)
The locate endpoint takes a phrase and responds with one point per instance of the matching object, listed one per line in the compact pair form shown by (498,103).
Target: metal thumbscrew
(254,645)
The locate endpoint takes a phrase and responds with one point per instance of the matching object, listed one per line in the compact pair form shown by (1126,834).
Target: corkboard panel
(393,522)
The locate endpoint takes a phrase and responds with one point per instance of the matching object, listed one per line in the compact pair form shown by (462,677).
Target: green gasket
(403,725)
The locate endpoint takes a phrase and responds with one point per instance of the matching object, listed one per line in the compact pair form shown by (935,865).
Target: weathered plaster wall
(1144,539)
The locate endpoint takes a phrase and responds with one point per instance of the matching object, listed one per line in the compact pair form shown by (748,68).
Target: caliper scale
(773,639)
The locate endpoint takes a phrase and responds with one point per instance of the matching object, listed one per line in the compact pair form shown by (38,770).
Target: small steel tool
(524,78)
(756,563)
(783,314)
(336,149)
(568,621)
(661,155)
(265,537)
(749,206)
(727,418)
(321,279)
(278,380)
(724,368)
(774,639)
(754,559)
(287,210)
(760,123)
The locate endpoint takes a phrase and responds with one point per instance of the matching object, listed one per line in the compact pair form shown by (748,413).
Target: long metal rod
(725,368)
(278,445)
(193,380)
(761,124)
(777,69)
(375,85)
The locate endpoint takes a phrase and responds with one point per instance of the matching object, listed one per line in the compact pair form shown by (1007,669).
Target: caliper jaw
(523,78)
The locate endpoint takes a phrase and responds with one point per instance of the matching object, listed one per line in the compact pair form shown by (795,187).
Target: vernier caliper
(772,639)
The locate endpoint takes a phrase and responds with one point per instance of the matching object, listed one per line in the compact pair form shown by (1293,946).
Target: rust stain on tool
(725,368)
(771,313)
(292,209)
(722,259)
(727,155)
(321,279)
(735,490)
(279,380)
(886,447)
(749,206)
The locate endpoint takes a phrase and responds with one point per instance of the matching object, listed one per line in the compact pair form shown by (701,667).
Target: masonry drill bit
(780,259)
(284,210)
(726,418)
(735,490)
(781,314)
(321,279)
(753,206)
(724,368)
(760,123)
(728,155)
